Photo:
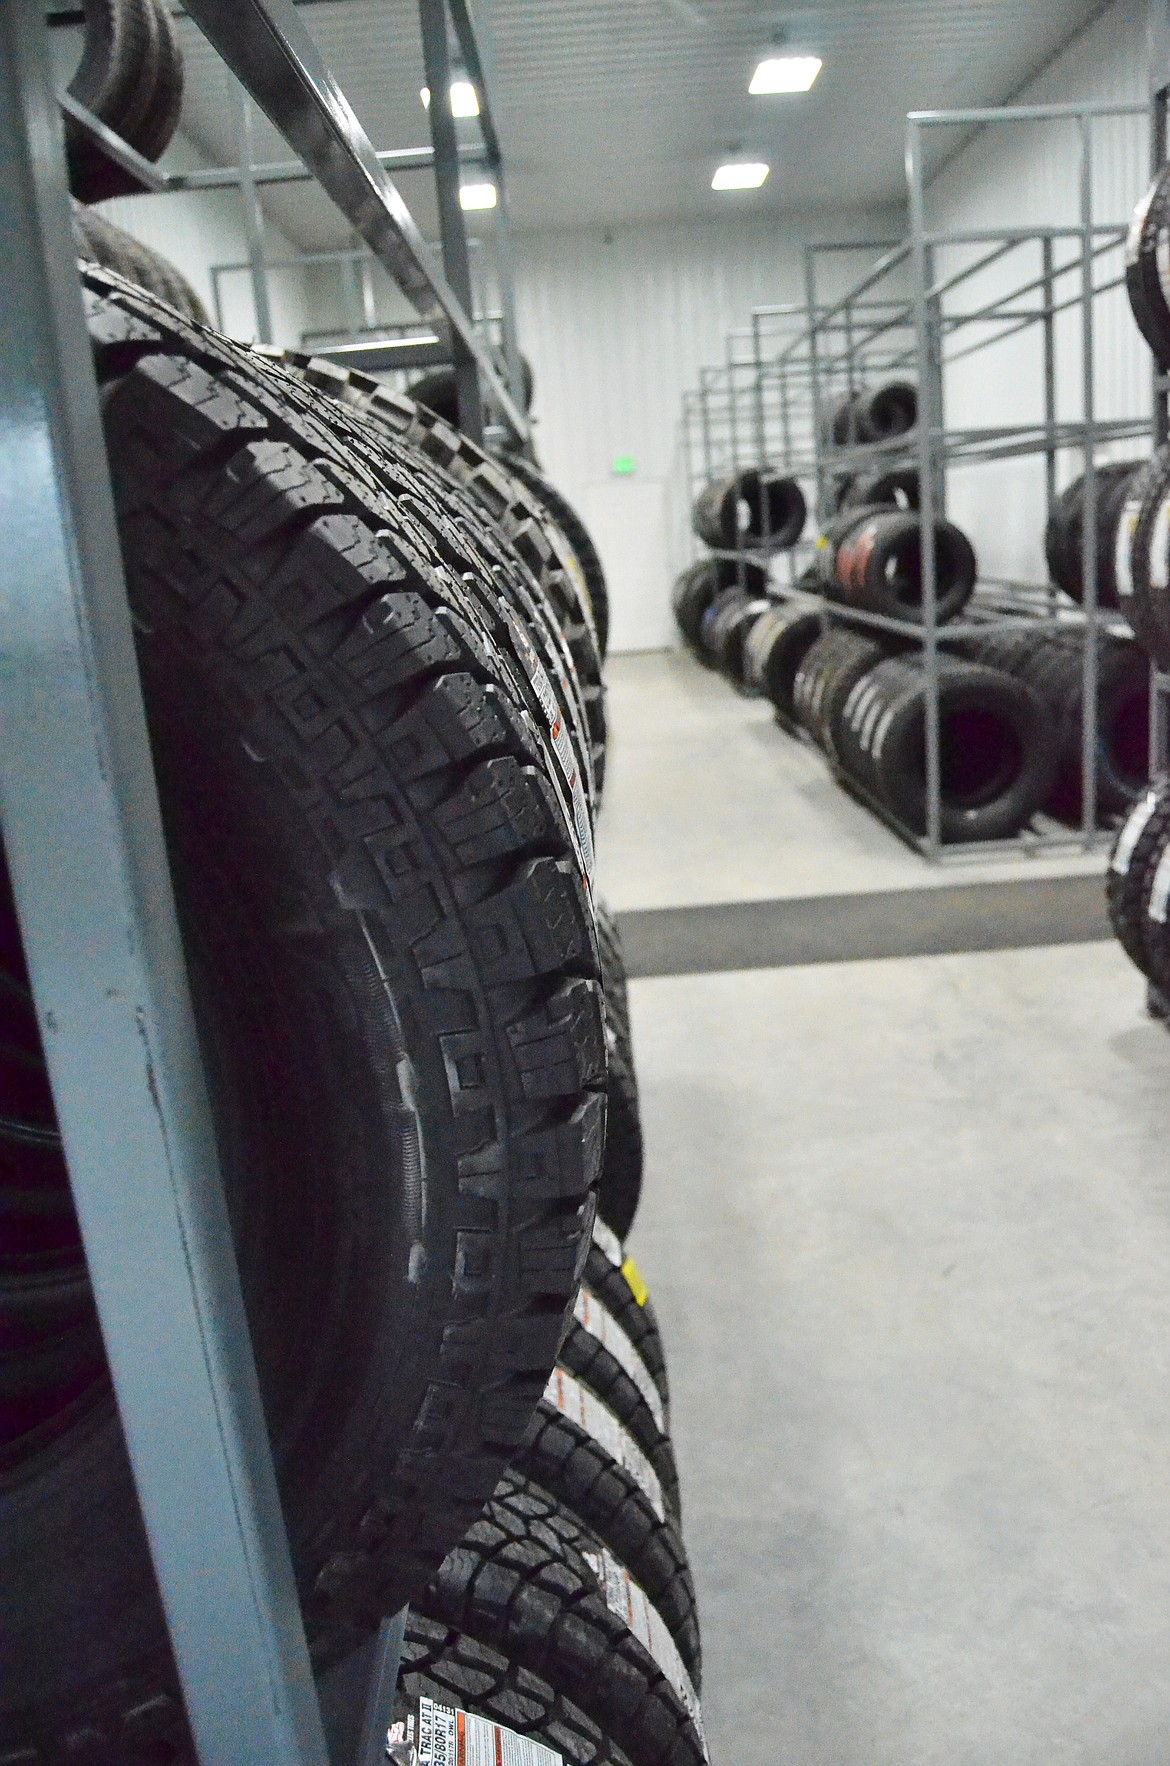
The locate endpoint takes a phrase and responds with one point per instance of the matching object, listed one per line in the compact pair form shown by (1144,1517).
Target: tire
(776,646)
(1051,664)
(438,391)
(614,979)
(732,634)
(698,586)
(889,411)
(544,550)
(561,511)
(1141,839)
(100,242)
(872,561)
(579,1452)
(456,1671)
(998,750)
(613,1276)
(362,897)
(620,1189)
(130,77)
(1155,927)
(532,1582)
(1142,557)
(752,509)
(599,1353)
(1147,266)
(895,489)
(1064,536)
(828,671)
(162,112)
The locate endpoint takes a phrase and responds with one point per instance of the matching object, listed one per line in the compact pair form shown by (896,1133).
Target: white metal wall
(617,326)
(1023,175)
(196,229)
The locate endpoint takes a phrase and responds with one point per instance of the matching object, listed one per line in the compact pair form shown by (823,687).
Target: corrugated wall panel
(617,327)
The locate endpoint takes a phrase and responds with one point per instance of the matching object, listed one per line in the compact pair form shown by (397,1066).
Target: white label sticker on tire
(601,1324)
(1133,239)
(625,1598)
(574,1401)
(607,1240)
(1159,548)
(451,1737)
(1162,260)
(1122,559)
(1131,833)
(1160,890)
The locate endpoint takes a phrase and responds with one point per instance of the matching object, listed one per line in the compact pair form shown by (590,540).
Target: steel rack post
(1047,252)
(254,222)
(271,53)
(85,848)
(1091,506)
(810,292)
(452,226)
(926,489)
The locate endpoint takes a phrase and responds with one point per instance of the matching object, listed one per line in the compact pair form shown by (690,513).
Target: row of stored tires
(1010,708)
(371,659)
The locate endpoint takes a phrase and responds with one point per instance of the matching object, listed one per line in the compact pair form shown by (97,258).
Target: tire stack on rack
(745,520)
(1138,879)
(371,658)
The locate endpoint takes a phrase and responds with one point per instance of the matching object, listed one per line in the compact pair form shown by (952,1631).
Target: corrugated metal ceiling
(615,111)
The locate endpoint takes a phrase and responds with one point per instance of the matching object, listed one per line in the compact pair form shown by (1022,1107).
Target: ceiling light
(739,174)
(464,102)
(477,196)
(464,99)
(785,73)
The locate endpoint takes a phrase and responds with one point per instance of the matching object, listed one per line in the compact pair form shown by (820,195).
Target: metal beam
(475,61)
(452,226)
(271,53)
(89,868)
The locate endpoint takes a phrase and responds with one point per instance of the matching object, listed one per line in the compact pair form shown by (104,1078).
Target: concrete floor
(907,1224)
(708,800)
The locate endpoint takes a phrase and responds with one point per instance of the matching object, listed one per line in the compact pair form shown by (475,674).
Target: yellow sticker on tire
(633,1276)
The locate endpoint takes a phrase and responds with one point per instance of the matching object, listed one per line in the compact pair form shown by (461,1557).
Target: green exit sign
(623,465)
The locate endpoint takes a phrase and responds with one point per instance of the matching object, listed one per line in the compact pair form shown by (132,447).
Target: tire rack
(89,869)
(879,327)
(1156,1004)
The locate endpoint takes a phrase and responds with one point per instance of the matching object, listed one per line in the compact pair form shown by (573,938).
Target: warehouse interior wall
(197,229)
(1028,174)
(617,326)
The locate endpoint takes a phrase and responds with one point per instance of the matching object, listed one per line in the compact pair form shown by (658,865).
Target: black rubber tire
(1064,539)
(620,1189)
(1147,252)
(825,679)
(895,488)
(162,112)
(437,390)
(614,979)
(1142,556)
(599,1353)
(454,1670)
(612,1274)
(562,512)
(522,1581)
(839,422)
(1141,839)
(579,1452)
(1156,916)
(871,560)
(98,241)
(776,646)
(545,553)
(731,635)
(119,62)
(999,753)
(885,413)
(753,509)
(700,583)
(348,684)
(1051,663)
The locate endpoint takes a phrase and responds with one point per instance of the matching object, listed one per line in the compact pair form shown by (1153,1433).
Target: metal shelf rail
(84,844)
(916,311)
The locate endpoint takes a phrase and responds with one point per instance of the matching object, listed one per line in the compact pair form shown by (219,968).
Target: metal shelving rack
(84,842)
(898,318)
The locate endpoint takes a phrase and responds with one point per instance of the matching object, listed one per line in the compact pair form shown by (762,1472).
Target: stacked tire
(372,671)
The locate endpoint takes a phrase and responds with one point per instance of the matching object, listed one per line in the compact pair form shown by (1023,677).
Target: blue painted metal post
(85,848)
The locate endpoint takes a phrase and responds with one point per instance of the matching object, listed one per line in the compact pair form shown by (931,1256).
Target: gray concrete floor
(907,1224)
(707,800)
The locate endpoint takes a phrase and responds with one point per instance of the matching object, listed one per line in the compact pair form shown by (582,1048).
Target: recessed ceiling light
(464,99)
(464,102)
(739,175)
(477,196)
(785,73)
